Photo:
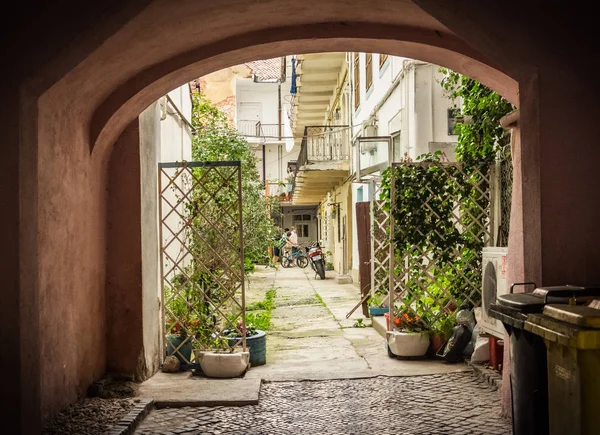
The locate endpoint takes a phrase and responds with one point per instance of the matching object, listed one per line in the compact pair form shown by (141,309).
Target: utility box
(571,334)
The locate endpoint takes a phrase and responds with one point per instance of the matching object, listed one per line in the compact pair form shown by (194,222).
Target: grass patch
(266,304)
(261,319)
(320,299)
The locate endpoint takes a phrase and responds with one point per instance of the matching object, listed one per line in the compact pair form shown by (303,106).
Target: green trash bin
(571,334)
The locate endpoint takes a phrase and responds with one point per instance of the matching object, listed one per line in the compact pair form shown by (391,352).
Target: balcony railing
(324,144)
(251,128)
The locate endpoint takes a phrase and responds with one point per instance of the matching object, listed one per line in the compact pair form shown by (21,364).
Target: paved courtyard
(325,375)
(455,403)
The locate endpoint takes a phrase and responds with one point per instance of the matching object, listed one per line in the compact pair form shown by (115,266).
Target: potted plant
(216,357)
(328,260)
(409,335)
(179,319)
(440,332)
(378,305)
(256,341)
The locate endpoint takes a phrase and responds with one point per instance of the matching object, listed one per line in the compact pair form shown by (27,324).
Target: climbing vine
(216,140)
(437,208)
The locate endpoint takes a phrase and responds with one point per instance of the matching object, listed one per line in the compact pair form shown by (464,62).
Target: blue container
(258,347)
(378,311)
(186,350)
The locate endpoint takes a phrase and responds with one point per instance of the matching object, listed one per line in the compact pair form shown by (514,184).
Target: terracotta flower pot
(436,341)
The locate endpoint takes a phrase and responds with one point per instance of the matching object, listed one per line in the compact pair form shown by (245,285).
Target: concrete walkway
(311,339)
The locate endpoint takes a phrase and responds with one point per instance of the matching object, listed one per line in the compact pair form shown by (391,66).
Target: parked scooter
(316,259)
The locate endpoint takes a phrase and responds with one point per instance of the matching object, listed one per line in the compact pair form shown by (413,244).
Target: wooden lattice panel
(380,250)
(436,279)
(202,263)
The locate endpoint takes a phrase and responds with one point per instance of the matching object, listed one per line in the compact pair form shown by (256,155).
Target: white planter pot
(222,365)
(408,343)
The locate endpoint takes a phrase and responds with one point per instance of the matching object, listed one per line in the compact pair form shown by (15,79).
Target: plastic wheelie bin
(571,334)
(528,368)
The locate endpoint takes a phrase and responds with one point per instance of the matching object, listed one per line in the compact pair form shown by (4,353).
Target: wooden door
(363,230)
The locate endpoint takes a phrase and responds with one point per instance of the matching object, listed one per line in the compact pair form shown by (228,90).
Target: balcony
(256,131)
(323,162)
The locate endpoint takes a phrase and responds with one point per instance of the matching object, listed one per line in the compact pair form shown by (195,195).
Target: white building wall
(175,146)
(175,134)
(163,137)
(272,161)
(408,101)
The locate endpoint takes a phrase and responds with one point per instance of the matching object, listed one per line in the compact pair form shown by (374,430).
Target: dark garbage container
(528,365)
(571,334)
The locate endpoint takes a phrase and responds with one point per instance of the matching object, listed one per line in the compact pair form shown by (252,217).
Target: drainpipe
(279,108)
(264,165)
(431,102)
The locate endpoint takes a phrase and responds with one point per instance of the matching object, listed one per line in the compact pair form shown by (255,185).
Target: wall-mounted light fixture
(336,206)
(336,114)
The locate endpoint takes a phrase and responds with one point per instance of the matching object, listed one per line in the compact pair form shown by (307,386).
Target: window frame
(382,59)
(356,90)
(368,71)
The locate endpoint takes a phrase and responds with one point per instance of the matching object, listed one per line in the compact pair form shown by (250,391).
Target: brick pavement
(454,403)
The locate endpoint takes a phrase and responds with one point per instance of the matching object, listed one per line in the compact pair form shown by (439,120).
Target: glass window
(453,114)
(397,147)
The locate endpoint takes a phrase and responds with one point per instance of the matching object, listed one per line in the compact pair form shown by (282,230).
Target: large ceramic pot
(407,344)
(257,345)
(223,365)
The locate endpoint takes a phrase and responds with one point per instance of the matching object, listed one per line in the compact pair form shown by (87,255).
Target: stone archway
(73,108)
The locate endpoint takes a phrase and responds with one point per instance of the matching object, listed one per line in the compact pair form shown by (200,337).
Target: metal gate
(202,257)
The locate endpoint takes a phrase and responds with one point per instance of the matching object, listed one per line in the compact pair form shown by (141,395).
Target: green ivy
(456,254)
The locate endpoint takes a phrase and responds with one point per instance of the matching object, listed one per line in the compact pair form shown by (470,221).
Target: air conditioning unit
(493,284)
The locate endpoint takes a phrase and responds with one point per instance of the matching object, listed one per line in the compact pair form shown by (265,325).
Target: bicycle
(298,257)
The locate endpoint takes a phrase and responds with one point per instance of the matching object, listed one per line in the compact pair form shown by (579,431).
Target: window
(369,67)
(356,89)
(302,230)
(382,59)
(396,147)
(453,115)
(359,194)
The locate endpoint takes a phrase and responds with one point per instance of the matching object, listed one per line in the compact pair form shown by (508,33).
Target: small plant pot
(222,365)
(183,353)
(378,311)
(408,344)
(436,342)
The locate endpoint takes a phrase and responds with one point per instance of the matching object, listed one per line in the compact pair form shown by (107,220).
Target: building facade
(373,109)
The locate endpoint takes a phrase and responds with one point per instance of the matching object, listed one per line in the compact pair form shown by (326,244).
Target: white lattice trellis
(434,279)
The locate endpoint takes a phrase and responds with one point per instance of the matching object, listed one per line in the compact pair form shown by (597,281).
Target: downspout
(431,102)
(264,165)
(279,107)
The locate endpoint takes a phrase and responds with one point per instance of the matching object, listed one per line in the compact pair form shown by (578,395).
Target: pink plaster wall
(124,331)
(70,255)
(99,78)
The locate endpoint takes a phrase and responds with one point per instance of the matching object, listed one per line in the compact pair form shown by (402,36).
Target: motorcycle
(316,259)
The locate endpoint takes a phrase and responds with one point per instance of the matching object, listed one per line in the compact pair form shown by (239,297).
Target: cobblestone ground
(454,403)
